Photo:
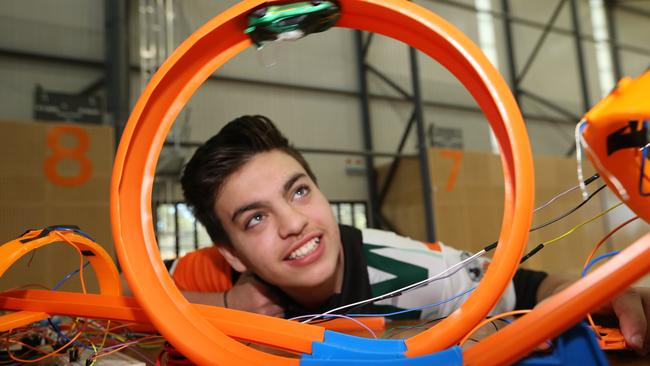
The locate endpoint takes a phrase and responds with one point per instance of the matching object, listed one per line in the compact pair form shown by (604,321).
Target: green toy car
(291,21)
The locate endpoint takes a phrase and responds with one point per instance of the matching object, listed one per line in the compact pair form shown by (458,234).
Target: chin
(313,277)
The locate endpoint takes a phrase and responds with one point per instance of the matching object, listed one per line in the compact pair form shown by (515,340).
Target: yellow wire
(108,324)
(146,345)
(582,224)
(147,338)
(102,344)
(95,352)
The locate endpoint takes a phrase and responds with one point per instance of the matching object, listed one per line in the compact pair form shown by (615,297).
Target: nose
(291,220)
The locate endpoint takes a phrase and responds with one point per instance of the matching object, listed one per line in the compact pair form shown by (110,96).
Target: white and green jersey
(394,261)
(375,262)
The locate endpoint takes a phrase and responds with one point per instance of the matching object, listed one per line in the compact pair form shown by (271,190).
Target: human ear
(231,256)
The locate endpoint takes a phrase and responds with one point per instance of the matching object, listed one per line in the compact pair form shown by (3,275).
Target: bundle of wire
(589,262)
(454,269)
(61,336)
(103,340)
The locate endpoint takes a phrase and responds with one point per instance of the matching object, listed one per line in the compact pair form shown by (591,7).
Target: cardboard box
(468,191)
(54,173)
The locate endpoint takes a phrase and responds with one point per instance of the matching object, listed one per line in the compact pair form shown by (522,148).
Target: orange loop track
(100,260)
(194,61)
(208,335)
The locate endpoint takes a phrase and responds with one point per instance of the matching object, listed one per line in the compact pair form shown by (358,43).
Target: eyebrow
(257,204)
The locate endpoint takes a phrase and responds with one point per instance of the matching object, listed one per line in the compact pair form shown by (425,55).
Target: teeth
(306,249)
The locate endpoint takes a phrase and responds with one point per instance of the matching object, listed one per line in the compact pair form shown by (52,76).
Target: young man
(280,252)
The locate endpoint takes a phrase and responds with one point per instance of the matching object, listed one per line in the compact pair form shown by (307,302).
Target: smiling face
(280,225)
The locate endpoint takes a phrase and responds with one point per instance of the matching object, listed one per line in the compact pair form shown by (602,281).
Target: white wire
(360,323)
(444,274)
(604,172)
(581,183)
(556,197)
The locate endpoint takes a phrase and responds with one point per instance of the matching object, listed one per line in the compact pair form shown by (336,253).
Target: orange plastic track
(621,169)
(20,319)
(242,325)
(194,61)
(101,261)
(611,339)
(107,274)
(564,309)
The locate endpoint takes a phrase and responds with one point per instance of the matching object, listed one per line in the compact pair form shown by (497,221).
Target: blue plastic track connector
(344,342)
(577,346)
(346,350)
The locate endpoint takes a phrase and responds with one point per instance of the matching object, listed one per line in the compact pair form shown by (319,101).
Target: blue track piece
(449,357)
(577,346)
(344,342)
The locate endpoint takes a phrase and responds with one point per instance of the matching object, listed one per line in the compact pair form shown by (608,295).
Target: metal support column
(117,64)
(422,148)
(510,52)
(613,38)
(540,41)
(577,35)
(367,132)
(375,217)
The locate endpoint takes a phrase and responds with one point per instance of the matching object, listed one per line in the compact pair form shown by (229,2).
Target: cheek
(259,245)
(327,215)
(319,213)
(320,207)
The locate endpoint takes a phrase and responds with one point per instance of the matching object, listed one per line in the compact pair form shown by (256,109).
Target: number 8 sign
(59,152)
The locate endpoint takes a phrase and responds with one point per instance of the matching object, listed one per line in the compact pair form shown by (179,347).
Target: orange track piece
(20,319)
(238,324)
(101,261)
(563,309)
(219,40)
(610,339)
(376,323)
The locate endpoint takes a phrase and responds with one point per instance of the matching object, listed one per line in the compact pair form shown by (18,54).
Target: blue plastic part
(449,357)
(364,344)
(327,351)
(577,346)
(339,345)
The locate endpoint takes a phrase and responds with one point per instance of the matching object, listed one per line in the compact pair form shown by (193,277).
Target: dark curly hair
(222,155)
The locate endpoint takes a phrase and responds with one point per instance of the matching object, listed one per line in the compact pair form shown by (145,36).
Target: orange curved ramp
(194,61)
(101,261)
(561,311)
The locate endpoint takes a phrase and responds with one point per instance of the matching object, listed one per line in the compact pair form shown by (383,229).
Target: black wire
(531,253)
(591,195)
(591,179)
(541,245)
(491,246)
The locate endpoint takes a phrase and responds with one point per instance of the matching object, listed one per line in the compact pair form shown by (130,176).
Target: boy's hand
(252,295)
(632,308)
